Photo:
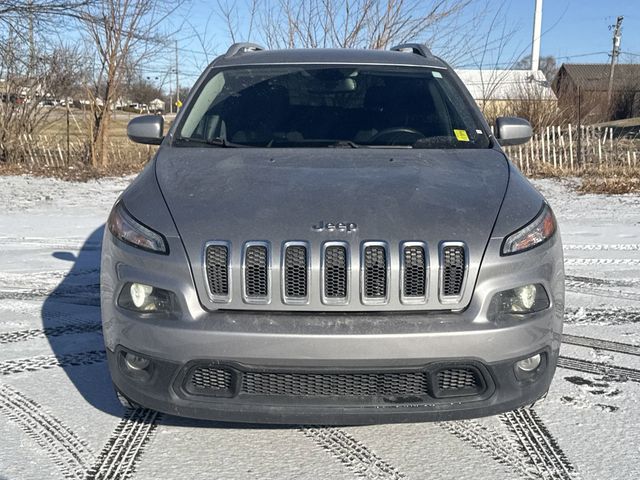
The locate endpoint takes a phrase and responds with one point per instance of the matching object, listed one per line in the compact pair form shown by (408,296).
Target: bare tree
(123,33)
(548,65)
(31,75)
(141,90)
(336,23)
(12,11)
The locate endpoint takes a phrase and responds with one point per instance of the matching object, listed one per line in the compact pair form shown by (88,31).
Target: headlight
(145,298)
(533,234)
(126,228)
(525,299)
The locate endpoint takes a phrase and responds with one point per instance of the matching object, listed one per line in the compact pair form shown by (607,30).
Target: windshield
(331,106)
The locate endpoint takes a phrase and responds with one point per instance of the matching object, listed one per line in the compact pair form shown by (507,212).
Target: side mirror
(147,129)
(513,131)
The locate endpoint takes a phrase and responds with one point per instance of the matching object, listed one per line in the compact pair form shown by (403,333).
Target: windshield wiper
(213,142)
(345,144)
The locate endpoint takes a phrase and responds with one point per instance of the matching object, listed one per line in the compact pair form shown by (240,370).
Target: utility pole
(537,32)
(617,36)
(177,81)
(32,44)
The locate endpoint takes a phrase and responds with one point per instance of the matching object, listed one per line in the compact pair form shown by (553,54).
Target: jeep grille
(336,273)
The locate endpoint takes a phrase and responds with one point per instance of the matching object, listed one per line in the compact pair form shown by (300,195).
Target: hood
(279,195)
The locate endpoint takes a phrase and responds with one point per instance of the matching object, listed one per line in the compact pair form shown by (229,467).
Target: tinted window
(324,106)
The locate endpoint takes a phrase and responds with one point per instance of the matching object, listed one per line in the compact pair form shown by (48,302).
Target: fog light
(529,364)
(520,300)
(145,298)
(527,296)
(140,294)
(134,362)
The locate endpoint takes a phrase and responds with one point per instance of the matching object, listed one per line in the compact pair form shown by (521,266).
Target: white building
(156,105)
(506,84)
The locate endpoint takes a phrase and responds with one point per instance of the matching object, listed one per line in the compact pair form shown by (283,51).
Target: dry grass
(612,185)
(604,180)
(78,173)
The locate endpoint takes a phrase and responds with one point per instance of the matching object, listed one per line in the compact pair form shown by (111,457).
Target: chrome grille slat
(335,273)
(453,270)
(295,273)
(256,272)
(218,271)
(374,273)
(414,265)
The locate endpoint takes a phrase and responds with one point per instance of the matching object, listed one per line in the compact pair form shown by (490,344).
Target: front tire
(124,401)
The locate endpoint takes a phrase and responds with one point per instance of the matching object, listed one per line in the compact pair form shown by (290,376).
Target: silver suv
(331,236)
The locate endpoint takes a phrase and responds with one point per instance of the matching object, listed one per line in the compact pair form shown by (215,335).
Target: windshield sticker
(461,135)
(436,74)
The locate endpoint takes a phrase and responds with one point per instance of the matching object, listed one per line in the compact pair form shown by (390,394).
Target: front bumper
(339,343)
(164,390)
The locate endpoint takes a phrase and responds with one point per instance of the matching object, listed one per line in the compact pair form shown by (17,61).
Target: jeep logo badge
(335,227)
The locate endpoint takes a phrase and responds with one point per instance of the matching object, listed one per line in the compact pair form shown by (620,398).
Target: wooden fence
(54,151)
(558,150)
(566,150)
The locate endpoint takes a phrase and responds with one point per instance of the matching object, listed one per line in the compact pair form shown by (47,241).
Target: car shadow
(72,325)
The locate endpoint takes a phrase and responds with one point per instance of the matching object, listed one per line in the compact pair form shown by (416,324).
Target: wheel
(124,401)
(544,395)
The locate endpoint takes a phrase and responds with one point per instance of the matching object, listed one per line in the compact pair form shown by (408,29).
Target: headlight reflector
(124,227)
(520,300)
(533,234)
(145,298)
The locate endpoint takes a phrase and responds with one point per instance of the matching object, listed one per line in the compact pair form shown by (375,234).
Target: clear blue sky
(573,31)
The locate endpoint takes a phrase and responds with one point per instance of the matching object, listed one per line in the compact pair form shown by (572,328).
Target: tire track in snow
(82,296)
(604,316)
(52,244)
(604,282)
(502,449)
(602,261)
(597,368)
(68,452)
(596,247)
(601,344)
(46,362)
(124,448)
(593,289)
(540,446)
(49,332)
(352,453)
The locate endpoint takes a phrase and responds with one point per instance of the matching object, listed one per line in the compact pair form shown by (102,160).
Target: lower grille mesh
(218,269)
(453,257)
(221,381)
(375,272)
(457,379)
(295,272)
(211,380)
(339,385)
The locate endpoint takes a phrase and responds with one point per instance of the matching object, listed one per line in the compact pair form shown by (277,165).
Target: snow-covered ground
(60,419)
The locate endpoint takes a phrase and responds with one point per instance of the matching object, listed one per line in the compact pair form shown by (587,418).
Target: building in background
(591,82)
(505,85)
(156,105)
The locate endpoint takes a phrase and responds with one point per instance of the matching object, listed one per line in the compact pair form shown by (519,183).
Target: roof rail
(417,48)
(242,47)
